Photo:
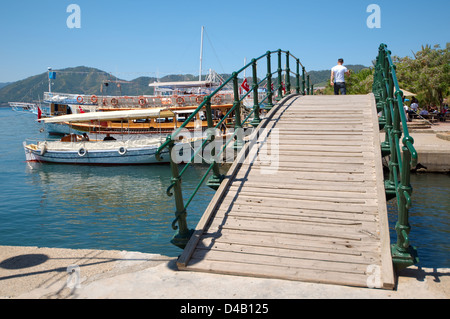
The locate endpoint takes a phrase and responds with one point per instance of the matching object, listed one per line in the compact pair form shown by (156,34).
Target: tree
(427,74)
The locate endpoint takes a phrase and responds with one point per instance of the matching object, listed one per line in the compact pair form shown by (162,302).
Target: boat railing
(142,101)
(274,92)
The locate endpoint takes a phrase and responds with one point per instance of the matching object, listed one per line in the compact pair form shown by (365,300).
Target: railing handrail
(390,103)
(183,233)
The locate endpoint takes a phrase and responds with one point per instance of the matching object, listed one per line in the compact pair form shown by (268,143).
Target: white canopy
(185,84)
(110,115)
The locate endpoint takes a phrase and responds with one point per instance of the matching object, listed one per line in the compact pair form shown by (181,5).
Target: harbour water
(126,207)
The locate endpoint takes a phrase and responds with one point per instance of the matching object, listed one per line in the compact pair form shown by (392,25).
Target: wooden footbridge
(305,199)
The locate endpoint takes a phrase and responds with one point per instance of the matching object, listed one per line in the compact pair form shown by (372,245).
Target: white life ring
(122,150)
(82,152)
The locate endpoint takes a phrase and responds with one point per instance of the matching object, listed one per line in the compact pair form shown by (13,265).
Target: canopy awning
(185,84)
(110,115)
(407,93)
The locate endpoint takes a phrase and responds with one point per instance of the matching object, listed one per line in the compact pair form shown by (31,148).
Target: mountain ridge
(89,80)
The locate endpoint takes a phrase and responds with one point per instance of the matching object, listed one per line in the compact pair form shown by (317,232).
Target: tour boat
(80,149)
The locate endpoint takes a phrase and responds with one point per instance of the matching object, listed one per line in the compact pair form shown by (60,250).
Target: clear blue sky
(147,37)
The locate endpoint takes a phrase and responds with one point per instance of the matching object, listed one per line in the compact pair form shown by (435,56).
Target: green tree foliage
(427,74)
(358,82)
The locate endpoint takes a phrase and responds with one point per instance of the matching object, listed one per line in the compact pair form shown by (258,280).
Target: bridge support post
(256,119)
(404,255)
(297,77)
(217,178)
(269,104)
(308,92)
(238,143)
(303,81)
(182,236)
(288,75)
(280,84)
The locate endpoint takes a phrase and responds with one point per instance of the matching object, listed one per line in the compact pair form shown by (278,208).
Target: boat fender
(82,152)
(43,149)
(122,150)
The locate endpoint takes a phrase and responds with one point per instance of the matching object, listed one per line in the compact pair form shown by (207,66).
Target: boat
(182,98)
(24,107)
(80,149)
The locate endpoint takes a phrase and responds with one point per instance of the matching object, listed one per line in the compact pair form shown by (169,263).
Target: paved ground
(51,273)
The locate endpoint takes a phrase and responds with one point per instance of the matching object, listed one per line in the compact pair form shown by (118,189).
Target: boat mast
(49,80)
(201,56)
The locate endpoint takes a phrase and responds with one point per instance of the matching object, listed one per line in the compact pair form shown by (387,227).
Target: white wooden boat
(75,149)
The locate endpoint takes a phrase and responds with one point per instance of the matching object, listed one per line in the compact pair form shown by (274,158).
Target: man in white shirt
(338,78)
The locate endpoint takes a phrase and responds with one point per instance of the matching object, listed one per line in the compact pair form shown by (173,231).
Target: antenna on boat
(201,56)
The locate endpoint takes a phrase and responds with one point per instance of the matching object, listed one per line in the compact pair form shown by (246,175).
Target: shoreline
(54,273)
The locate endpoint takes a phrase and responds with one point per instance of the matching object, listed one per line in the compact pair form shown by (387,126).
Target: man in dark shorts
(338,78)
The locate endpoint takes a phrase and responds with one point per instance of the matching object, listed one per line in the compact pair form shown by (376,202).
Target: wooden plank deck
(316,211)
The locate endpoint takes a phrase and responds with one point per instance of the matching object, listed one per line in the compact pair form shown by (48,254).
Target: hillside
(86,80)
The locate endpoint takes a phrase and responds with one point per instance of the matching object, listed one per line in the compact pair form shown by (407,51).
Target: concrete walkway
(51,273)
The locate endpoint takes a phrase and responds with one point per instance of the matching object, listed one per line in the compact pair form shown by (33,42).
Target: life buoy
(166,101)
(199,99)
(142,101)
(114,102)
(180,100)
(80,99)
(122,150)
(217,99)
(82,152)
(94,99)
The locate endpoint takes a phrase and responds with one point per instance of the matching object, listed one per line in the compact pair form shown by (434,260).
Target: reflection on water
(429,219)
(101,207)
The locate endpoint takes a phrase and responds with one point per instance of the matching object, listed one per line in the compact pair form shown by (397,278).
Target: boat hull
(121,156)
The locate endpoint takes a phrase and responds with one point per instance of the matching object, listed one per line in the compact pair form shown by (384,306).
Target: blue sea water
(126,207)
(91,207)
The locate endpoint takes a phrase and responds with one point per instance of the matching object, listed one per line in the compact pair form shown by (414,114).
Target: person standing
(338,74)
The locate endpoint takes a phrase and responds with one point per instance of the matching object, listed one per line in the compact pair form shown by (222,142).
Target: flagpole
(201,56)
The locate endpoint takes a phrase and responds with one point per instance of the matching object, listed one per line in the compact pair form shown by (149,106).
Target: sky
(154,38)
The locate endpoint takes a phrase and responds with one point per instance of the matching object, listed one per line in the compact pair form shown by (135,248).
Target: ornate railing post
(256,119)
(269,104)
(217,178)
(181,237)
(288,75)
(280,84)
(308,87)
(238,143)
(303,81)
(297,77)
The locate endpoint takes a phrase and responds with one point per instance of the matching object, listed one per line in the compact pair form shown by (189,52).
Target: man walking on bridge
(338,78)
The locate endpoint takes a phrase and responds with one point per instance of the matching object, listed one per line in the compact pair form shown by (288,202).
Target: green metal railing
(302,86)
(401,157)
